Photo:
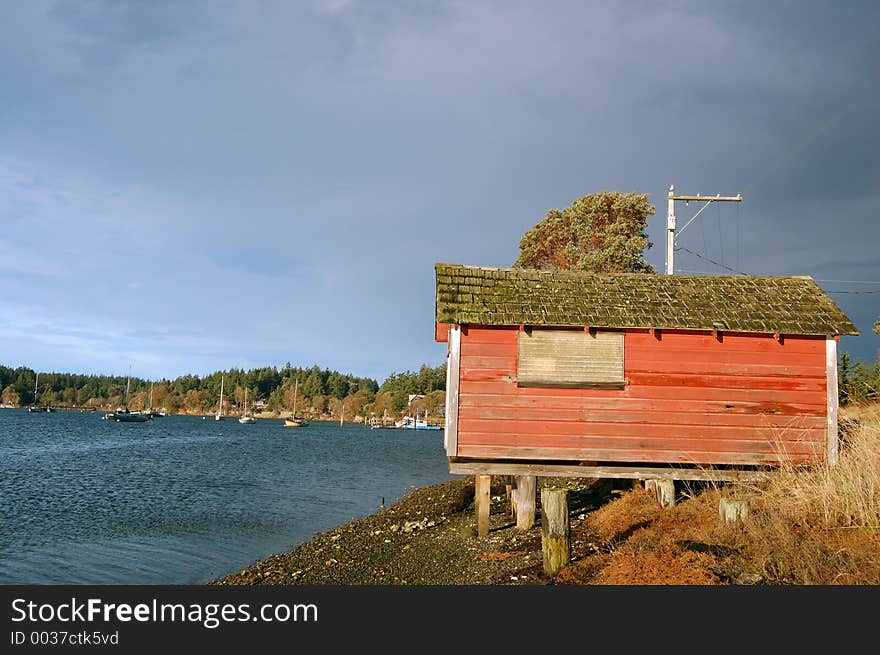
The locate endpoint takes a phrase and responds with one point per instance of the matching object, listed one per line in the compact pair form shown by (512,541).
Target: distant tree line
(857,381)
(311,391)
(397,389)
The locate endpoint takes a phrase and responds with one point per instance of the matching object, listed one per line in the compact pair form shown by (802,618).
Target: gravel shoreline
(426,538)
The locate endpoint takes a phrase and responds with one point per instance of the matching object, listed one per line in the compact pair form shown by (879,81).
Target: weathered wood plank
(481,361)
(482,500)
(487,374)
(502,402)
(630,455)
(641,447)
(555,384)
(526,486)
(572,357)
(707,358)
(832,395)
(699,382)
(479,349)
(667,387)
(453,362)
(796,429)
(642,417)
(689,341)
(465,467)
(492,335)
(768,371)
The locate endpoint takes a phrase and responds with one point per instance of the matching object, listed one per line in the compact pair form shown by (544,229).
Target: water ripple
(180,500)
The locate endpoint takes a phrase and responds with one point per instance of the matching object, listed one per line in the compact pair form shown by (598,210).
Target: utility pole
(670,219)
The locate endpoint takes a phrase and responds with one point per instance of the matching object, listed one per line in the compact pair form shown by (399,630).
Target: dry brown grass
(821,525)
(617,520)
(656,567)
(843,496)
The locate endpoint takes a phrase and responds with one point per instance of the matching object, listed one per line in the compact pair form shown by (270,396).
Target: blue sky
(192,186)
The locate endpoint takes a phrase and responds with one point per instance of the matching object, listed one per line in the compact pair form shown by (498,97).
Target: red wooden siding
(690,399)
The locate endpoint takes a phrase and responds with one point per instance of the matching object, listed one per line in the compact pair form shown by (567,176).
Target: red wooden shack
(584,374)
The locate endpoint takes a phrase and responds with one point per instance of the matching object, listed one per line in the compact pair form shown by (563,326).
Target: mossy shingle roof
(763,304)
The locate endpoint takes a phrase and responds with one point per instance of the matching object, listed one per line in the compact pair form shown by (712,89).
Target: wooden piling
(555,533)
(524,501)
(482,487)
(732,511)
(664,490)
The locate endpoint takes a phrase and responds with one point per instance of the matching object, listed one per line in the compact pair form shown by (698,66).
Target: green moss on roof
(508,296)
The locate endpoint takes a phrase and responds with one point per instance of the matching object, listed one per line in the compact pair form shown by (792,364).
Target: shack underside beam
(461,466)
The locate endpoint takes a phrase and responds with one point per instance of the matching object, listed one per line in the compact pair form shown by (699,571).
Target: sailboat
(244,415)
(36,407)
(153,413)
(294,421)
(122,414)
(220,409)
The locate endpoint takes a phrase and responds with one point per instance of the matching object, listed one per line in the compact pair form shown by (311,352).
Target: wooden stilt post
(482,486)
(732,511)
(524,500)
(663,489)
(508,490)
(555,534)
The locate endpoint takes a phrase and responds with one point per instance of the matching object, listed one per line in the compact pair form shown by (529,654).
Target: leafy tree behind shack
(601,233)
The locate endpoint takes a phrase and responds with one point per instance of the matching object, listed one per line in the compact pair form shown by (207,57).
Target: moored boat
(245,418)
(123,415)
(414,423)
(219,414)
(36,406)
(295,421)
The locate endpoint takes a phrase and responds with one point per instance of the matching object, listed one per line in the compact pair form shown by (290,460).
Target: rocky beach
(429,538)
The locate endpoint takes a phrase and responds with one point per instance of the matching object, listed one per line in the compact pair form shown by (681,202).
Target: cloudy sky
(188,186)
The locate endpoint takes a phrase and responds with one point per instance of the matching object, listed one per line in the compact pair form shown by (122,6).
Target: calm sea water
(182,500)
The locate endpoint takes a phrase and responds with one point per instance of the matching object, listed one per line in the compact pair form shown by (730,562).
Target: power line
(712,261)
(733,270)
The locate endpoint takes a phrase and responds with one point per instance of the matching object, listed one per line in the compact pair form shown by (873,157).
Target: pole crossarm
(670,219)
(737,198)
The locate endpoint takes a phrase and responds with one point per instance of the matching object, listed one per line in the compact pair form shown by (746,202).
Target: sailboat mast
(127,386)
(295,388)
